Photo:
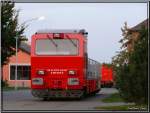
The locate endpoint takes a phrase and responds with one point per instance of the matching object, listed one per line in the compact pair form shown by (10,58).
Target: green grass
(124,108)
(12,88)
(117,98)
(113,98)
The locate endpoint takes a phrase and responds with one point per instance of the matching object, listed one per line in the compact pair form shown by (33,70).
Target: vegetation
(131,68)
(113,98)
(12,88)
(6,87)
(10,29)
(4,83)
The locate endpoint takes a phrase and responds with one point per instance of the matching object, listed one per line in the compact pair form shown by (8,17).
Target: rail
(91,61)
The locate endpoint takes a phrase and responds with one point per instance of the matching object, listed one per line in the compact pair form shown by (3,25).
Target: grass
(12,88)
(115,97)
(124,108)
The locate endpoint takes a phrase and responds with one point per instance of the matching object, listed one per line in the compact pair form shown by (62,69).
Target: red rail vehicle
(106,76)
(60,66)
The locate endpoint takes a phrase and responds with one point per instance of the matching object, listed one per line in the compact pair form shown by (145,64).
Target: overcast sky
(101,20)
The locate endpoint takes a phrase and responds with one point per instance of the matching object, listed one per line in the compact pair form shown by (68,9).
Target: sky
(102,21)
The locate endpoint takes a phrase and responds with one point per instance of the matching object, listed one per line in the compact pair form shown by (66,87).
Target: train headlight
(71,72)
(41,72)
(73,81)
(37,81)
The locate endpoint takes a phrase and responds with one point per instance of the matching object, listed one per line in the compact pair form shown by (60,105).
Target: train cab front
(57,65)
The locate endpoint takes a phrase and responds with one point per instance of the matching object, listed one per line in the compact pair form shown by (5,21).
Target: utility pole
(16,63)
(16,76)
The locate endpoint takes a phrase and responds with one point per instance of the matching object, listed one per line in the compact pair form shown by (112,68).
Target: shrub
(4,83)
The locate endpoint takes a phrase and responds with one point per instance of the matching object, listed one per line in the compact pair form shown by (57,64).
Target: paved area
(23,100)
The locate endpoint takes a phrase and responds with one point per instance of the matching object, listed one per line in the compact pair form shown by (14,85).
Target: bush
(4,83)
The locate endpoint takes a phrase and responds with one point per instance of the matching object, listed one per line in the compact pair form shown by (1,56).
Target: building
(134,34)
(23,67)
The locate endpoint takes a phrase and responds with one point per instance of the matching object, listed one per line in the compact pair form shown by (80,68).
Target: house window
(23,72)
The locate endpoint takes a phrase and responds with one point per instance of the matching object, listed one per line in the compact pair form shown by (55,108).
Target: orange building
(23,68)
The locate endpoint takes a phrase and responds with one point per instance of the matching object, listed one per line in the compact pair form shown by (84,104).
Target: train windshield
(57,47)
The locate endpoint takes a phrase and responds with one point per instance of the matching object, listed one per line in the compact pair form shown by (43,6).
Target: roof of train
(61,31)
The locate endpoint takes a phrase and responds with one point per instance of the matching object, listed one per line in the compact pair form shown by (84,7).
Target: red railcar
(60,66)
(107,76)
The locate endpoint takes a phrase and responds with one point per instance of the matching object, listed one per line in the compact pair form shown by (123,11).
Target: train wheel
(45,98)
(85,93)
(94,93)
(110,85)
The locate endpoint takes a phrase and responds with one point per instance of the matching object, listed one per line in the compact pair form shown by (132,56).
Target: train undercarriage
(47,93)
(51,94)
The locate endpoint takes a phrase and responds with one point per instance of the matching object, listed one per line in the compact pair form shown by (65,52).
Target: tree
(138,66)
(10,29)
(131,68)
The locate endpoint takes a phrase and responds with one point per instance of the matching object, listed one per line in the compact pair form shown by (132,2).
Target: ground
(23,100)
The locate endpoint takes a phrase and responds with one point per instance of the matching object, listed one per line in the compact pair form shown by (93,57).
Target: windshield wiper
(52,41)
(71,41)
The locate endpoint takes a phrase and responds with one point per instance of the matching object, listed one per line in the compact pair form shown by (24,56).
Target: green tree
(131,68)
(9,30)
(138,66)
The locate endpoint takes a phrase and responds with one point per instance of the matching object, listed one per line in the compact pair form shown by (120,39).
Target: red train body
(60,66)
(107,76)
